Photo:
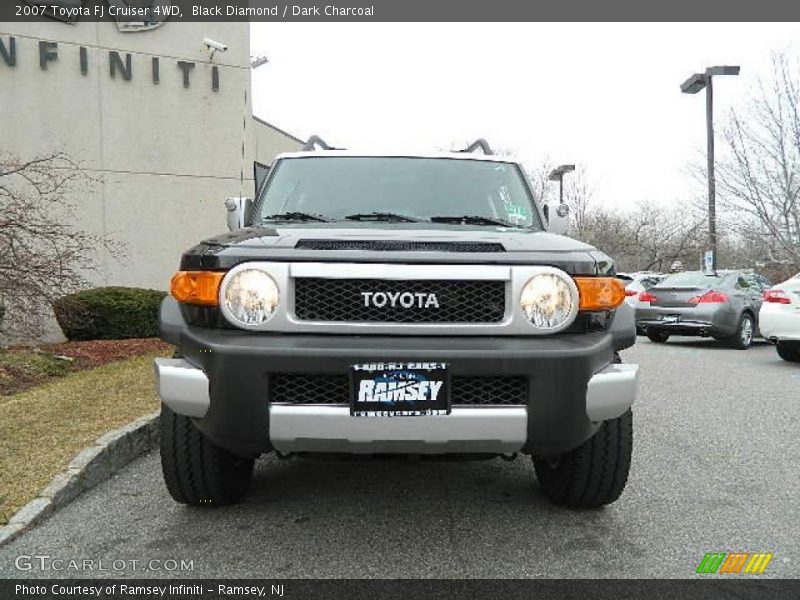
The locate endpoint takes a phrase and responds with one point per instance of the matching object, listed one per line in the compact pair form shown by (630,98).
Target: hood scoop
(399,246)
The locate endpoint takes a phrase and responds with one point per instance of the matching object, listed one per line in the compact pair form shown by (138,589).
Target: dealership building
(160,121)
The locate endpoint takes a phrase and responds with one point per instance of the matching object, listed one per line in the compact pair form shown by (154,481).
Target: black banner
(312,589)
(150,13)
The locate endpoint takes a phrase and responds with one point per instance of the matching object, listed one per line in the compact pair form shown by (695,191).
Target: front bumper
(223,382)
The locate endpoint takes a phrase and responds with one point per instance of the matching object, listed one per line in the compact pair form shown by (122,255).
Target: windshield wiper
(298,216)
(473,220)
(382,216)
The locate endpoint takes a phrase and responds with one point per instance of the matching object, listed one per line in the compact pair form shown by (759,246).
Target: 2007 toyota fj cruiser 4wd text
(376,304)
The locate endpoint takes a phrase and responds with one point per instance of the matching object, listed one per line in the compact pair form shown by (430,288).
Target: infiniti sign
(130,15)
(401,299)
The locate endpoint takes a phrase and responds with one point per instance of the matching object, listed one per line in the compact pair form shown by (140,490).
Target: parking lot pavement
(715,469)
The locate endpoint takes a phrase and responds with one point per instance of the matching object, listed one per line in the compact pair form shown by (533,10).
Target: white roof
(397,154)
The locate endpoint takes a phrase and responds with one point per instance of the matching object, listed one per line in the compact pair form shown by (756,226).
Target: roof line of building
(279,130)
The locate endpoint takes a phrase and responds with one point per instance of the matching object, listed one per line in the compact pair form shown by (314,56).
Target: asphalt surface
(716,457)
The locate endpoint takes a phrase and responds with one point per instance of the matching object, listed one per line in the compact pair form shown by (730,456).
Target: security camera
(215,47)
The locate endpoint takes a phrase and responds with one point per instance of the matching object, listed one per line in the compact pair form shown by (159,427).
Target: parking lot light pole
(694,84)
(557,174)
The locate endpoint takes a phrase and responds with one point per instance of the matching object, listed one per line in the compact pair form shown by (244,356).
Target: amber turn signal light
(196,287)
(600,293)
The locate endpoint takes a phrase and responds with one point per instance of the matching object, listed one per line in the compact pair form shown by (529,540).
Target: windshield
(420,188)
(692,279)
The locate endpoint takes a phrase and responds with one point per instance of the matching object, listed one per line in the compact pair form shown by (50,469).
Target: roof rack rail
(479,143)
(314,141)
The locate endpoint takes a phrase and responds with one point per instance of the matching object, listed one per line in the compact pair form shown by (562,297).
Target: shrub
(109,313)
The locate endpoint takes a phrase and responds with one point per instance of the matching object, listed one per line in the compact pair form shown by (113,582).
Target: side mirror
(558,219)
(239,212)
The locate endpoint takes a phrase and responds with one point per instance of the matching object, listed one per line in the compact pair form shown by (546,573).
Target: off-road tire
(656,336)
(196,471)
(789,351)
(739,340)
(594,473)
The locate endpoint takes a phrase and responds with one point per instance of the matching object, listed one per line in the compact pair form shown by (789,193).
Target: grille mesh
(492,390)
(467,301)
(309,388)
(399,246)
(313,388)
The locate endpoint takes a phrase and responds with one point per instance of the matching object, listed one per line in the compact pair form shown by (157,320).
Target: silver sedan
(723,306)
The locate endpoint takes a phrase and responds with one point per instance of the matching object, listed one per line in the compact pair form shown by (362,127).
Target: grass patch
(23,367)
(42,429)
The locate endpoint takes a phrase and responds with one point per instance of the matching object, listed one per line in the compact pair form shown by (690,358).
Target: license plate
(670,318)
(399,389)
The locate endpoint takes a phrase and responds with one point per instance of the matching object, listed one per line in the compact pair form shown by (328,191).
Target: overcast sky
(605,96)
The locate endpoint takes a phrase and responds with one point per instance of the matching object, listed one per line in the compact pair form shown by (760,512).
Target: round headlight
(548,301)
(250,297)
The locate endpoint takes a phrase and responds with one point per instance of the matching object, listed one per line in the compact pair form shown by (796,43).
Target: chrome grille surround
(514,279)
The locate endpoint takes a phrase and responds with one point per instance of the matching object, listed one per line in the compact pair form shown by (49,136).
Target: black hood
(432,243)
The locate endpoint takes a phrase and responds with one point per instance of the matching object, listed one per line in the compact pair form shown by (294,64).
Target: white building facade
(162,126)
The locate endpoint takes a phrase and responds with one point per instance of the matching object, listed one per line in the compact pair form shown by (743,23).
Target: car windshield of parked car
(691,279)
(419,188)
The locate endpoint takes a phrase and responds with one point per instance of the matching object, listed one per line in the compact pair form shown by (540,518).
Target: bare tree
(644,238)
(541,187)
(577,192)
(578,195)
(758,173)
(42,254)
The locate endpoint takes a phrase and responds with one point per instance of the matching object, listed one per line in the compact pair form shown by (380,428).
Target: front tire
(789,351)
(594,473)
(743,338)
(196,471)
(656,336)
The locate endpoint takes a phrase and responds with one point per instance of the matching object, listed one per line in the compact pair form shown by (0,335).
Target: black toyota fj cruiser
(395,303)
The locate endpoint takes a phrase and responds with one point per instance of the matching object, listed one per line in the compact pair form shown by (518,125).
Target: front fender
(170,321)
(623,327)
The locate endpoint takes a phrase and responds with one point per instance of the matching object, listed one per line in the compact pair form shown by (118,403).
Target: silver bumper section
(182,386)
(332,429)
(611,391)
(322,428)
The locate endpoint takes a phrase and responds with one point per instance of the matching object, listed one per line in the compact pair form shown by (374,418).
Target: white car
(779,318)
(635,283)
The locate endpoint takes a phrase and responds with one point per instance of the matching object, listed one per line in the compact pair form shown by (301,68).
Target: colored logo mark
(753,563)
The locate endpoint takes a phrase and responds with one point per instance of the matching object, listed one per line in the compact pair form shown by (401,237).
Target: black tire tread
(168,437)
(594,473)
(788,351)
(196,471)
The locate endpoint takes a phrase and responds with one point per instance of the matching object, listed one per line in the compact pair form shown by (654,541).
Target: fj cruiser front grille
(314,388)
(399,246)
(396,301)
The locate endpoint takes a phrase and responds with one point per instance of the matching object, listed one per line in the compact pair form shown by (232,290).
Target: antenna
(479,143)
(314,141)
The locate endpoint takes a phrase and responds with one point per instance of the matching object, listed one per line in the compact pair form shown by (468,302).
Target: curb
(92,465)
